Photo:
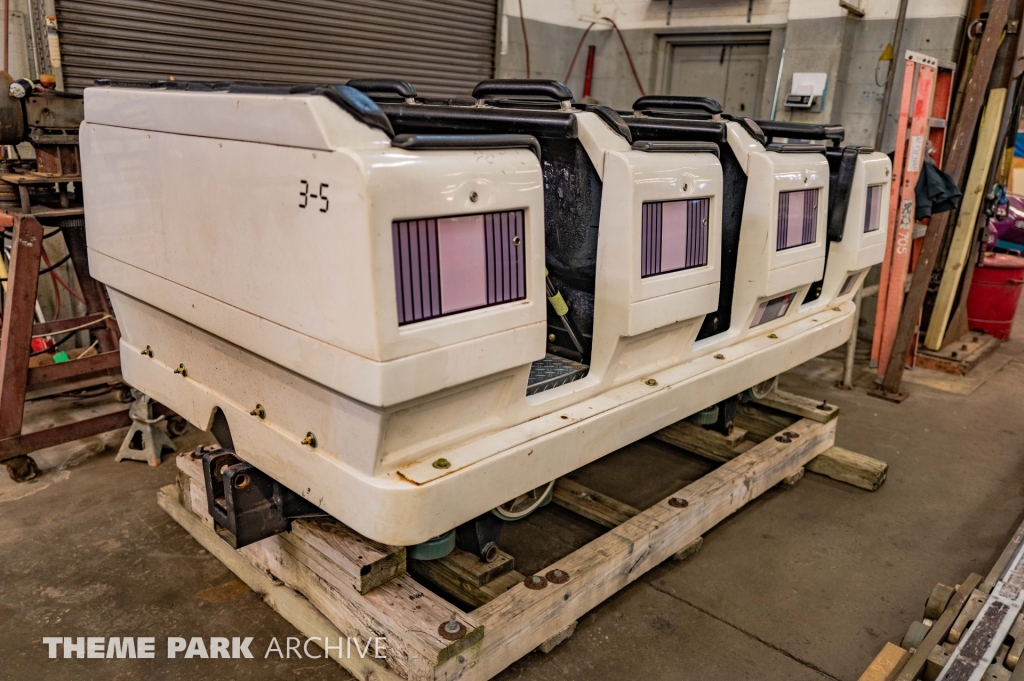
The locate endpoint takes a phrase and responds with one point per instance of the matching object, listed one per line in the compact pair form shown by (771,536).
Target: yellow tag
(886,53)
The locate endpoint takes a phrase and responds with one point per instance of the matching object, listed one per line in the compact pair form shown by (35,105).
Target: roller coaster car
(352,296)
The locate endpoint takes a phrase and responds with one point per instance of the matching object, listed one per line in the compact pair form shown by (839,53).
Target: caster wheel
(915,634)
(433,549)
(22,468)
(525,504)
(762,389)
(176,426)
(705,417)
(938,600)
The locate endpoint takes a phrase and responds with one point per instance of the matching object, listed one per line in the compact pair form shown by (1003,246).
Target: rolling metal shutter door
(443,47)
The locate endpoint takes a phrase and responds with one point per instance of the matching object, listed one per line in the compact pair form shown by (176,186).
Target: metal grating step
(553,371)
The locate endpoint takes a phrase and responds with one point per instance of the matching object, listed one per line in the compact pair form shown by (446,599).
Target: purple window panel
(873,210)
(505,257)
(449,265)
(417,275)
(461,247)
(798,219)
(673,236)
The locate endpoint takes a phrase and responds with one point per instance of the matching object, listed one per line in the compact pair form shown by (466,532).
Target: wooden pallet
(959,357)
(327,581)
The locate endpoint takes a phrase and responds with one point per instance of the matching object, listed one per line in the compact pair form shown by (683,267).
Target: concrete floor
(804,583)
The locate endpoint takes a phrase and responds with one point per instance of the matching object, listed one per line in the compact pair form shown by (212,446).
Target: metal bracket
(246,504)
(480,536)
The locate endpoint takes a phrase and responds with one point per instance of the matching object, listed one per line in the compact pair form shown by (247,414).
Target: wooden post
(16,338)
(963,235)
(956,163)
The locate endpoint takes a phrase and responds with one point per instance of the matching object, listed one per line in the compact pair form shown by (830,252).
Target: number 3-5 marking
(306,196)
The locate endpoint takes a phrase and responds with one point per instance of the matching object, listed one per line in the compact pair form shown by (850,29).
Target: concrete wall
(817,35)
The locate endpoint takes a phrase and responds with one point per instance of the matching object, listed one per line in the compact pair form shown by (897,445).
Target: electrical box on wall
(807,92)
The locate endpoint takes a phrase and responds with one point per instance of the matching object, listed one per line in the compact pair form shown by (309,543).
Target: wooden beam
(956,163)
(699,440)
(798,405)
(850,467)
(591,504)
(464,576)
(761,423)
(963,234)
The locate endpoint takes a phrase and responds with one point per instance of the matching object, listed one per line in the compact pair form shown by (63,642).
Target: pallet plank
(761,423)
(801,406)
(699,440)
(465,576)
(850,467)
(590,504)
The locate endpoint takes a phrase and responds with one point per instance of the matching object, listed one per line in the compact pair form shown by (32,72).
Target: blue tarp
(1018,145)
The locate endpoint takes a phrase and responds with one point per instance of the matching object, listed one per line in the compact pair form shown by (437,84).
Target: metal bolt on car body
(442,463)
(651,382)
(181,370)
(259,411)
(309,440)
(148,352)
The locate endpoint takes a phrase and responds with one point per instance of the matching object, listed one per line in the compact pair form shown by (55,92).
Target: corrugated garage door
(444,47)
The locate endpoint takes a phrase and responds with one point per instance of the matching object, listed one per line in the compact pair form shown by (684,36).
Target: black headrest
(677,102)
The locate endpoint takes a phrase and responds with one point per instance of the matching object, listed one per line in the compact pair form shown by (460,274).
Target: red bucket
(995,292)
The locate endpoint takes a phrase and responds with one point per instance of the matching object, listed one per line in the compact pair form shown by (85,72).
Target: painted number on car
(319,195)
